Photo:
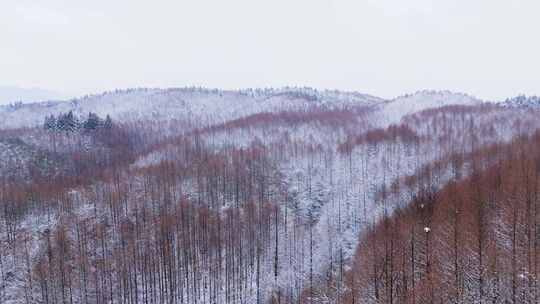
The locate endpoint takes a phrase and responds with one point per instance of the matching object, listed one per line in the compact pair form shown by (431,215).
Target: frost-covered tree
(50,123)
(93,122)
(108,124)
(68,122)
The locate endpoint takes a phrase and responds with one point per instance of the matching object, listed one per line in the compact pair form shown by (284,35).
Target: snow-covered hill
(279,150)
(212,106)
(394,110)
(522,101)
(18,159)
(203,106)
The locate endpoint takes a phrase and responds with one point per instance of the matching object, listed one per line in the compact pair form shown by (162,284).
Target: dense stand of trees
(69,123)
(474,241)
(135,215)
(160,244)
(164,245)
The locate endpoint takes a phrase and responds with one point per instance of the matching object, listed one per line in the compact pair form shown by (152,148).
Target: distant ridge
(13,94)
(186,104)
(522,101)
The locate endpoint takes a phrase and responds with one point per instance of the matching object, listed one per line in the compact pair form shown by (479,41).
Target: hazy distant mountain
(10,94)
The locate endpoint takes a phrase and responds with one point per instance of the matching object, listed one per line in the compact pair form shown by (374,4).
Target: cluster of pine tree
(69,122)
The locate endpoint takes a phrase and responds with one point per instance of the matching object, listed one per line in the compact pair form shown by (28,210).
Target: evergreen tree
(68,122)
(60,123)
(92,123)
(108,124)
(50,123)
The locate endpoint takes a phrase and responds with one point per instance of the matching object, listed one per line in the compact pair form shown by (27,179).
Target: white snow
(196,105)
(394,110)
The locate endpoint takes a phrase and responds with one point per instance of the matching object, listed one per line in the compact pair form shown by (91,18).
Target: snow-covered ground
(196,105)
(329,196)
(393,111)
(522,101)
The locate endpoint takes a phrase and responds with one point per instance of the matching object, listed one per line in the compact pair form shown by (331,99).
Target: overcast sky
(489,48)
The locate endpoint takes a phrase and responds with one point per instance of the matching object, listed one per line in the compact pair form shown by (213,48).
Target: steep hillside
(19,160)
(474,241)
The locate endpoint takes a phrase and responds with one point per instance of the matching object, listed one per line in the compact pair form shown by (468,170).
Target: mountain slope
(402,106)
(186,104)
(522,101)
(18,159)
(264,200)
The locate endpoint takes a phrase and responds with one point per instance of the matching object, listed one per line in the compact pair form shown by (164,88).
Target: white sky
(489,48)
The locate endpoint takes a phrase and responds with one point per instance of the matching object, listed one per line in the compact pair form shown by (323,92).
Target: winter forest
(270,196)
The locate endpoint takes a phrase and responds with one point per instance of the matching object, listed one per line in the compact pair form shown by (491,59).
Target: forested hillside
(473,241)
(289,195)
